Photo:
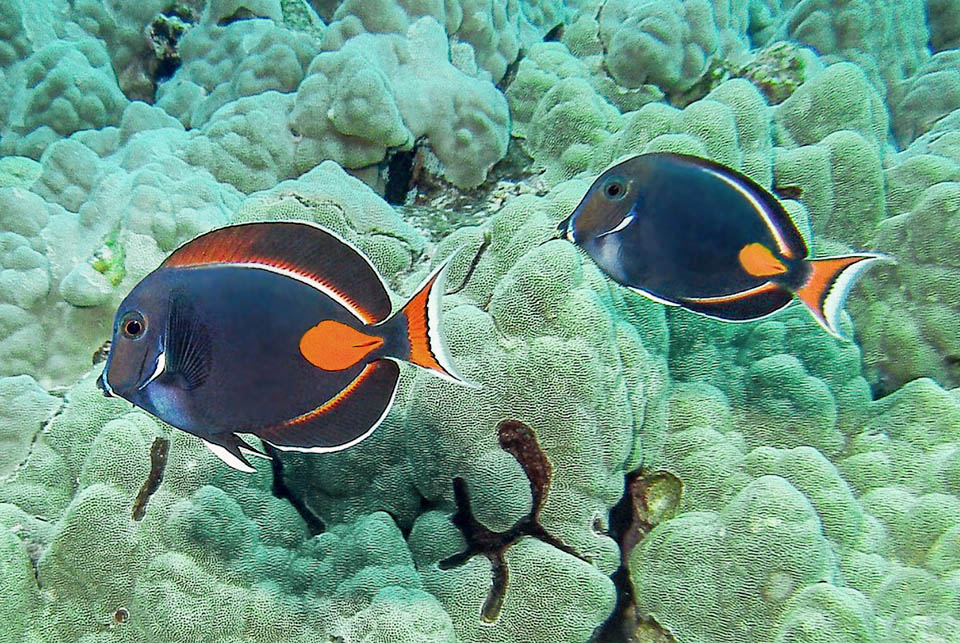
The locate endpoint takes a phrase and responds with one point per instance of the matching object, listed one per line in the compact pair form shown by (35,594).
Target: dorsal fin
(301,250)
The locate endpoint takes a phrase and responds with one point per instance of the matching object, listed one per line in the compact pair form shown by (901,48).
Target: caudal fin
(830,280)
(421,318)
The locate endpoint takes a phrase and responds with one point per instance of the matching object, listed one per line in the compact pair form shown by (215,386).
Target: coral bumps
(814,492)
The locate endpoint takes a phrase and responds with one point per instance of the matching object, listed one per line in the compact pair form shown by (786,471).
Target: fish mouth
(563,231)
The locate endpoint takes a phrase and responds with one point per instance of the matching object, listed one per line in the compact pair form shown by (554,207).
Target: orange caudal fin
(420,317)
(830,280)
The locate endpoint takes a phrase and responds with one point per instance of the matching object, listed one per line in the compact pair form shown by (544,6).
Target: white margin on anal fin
(652,297)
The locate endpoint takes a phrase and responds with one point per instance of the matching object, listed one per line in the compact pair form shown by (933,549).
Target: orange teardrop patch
(757,260)
(333,346)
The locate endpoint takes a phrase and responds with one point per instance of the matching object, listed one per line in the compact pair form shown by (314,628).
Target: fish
(282,330)
(690,232)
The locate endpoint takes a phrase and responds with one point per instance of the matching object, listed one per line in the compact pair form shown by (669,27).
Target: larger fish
(686,231)
(282,330)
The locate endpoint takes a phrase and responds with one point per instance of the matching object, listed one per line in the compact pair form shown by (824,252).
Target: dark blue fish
(686,231)
(281,330)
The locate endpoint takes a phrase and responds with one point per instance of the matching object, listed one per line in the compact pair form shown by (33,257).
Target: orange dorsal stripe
(823,272)
(292,249)
(334,346)
(759,261)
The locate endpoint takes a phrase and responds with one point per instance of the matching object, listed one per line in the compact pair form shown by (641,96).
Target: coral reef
(624,471)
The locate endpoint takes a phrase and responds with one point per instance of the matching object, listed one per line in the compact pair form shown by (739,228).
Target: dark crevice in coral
(404,527)
(519,440)
(554,34)
(511,72)
(631,519)
(437,208)
(884,384)
(621,520)
(473,265)
(281,490)
(61,394)
(242,13)
(603,45)
(35,566)
(166,68)
(402,170)
(158,463)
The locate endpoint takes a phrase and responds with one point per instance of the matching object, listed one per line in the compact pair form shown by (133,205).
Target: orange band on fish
(334,346)
(332,403)
(823,274)
(759,261)
(418,329)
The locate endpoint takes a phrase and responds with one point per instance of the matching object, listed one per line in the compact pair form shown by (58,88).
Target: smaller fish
(686,231)
(281,330)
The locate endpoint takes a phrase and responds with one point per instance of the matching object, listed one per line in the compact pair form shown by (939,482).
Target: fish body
(689,232)
(281,330)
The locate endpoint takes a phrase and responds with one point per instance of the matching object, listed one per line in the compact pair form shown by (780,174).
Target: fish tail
(424,345)
(829,282)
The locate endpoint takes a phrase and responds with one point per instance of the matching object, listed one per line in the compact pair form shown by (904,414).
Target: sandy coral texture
(817,481)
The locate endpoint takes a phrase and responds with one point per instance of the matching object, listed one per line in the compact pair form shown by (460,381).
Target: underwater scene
(507,321)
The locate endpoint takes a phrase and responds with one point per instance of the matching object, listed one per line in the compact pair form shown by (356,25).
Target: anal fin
(743,306)
(344,420)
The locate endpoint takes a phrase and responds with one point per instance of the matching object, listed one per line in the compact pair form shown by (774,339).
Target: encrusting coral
(624,466)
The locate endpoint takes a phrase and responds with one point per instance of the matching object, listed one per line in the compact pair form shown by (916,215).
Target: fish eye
(133,325)
(614,189)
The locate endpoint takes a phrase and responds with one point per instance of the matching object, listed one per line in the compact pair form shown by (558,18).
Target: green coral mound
(216,555)
(772,532)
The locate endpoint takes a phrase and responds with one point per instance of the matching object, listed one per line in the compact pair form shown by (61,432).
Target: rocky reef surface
(626,472)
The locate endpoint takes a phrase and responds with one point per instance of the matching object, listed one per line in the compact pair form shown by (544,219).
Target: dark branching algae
(519,440)
(158,462)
